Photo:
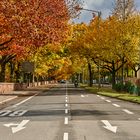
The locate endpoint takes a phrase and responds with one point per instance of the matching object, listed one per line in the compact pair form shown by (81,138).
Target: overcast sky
(105,6)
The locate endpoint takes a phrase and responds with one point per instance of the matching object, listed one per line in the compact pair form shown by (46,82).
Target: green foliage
(123,87)
(118,87)
(127,87)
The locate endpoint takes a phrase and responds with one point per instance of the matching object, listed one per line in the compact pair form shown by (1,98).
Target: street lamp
(99,16)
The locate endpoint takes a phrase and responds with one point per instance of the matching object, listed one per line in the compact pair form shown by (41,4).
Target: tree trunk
(90,75)
(136,73)
(113,75)
(113,79)
(12,67)
(2,72)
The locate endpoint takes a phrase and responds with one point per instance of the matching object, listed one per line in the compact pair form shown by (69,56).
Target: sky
(105,6)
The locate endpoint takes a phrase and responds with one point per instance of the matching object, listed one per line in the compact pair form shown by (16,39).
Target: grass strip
(106,91)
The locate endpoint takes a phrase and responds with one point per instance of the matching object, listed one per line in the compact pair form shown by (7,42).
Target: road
(68,113)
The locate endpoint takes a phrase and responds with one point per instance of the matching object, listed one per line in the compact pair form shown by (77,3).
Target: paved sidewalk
(29,91)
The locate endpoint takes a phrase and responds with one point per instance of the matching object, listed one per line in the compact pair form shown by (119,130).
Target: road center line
(66,111)
(66,101)
(65,137)
(116,105)
(108,101)
(127,111)
(66,120)
(98,95)
(24,101)
(66,105)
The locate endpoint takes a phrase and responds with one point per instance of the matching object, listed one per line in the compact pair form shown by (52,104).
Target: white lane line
(24,101)
(66,101)
(66,105)
(98,95)
(116,105)
(82,96)
(66,111)
(108,101)
(9,99)
(139,119)
(127,111)
(65,137)
(102,98)
(66,97)
(66,120)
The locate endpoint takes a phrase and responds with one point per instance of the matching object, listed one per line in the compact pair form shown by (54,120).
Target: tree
(33,23)
(123,9)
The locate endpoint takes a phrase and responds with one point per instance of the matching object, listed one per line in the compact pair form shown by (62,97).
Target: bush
(127,87)
(119,87)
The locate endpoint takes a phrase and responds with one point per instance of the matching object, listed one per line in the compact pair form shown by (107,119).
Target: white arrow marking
(10,124)
(109,126)
(19,127)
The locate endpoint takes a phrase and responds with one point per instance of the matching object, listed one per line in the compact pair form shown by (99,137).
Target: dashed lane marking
(116,105)
(65,137)
(102,98)
(66,105)
(66,120)
(66,111)
(108,101)
(127,111)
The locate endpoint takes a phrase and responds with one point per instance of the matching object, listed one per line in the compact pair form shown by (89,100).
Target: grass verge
(106,91)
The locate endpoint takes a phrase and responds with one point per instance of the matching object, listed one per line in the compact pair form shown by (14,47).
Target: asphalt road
(68,113)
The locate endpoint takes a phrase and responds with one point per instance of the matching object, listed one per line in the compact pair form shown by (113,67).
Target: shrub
(127,87)
(119,87)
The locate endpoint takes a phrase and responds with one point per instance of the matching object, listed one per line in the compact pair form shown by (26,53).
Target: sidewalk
(4,98)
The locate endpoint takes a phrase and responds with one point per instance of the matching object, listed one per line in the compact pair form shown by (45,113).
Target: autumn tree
(32,24)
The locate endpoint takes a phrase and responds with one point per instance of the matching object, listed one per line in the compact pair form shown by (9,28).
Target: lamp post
(99,16)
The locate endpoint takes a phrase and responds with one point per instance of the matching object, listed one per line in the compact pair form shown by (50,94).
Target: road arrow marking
(19,127)
(109,126)
(10,124)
